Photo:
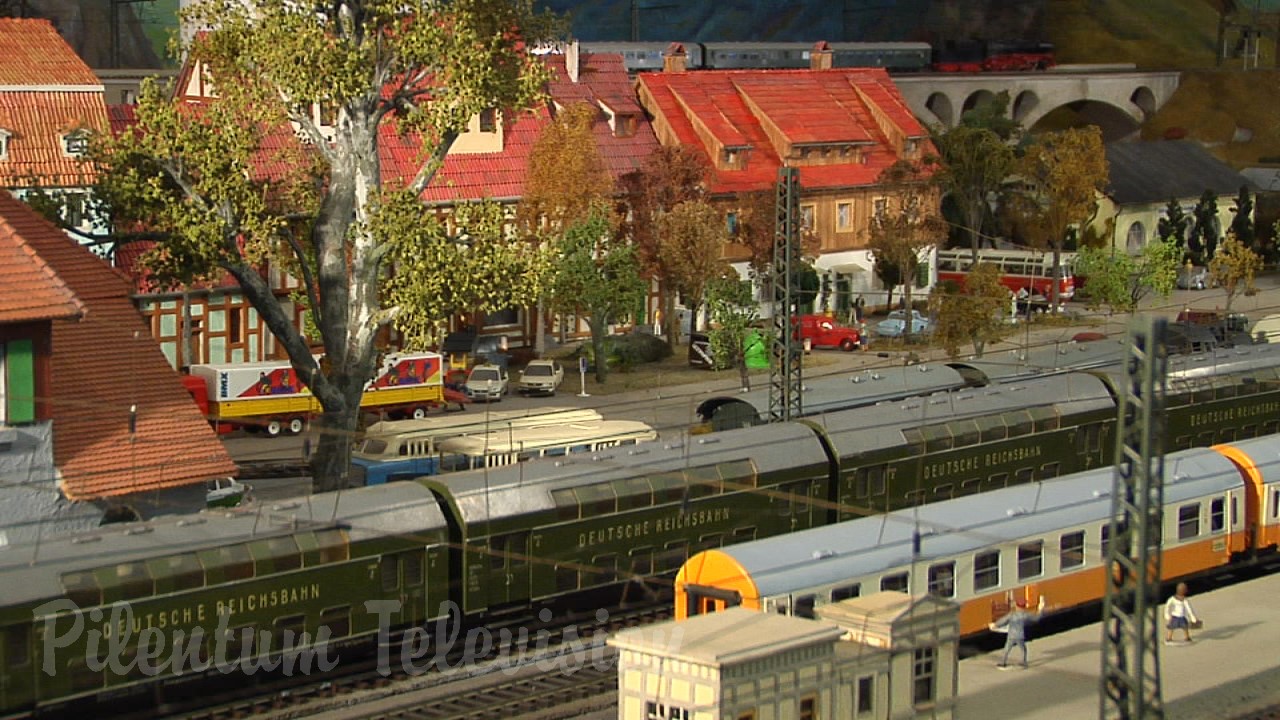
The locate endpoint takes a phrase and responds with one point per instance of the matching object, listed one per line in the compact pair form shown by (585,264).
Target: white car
(226,492)
(896,323)
(487,382)
(540,377)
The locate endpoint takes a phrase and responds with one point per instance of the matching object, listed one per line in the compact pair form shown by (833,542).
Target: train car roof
(829,393)
(34,571)
(834,553)
(1262,453)
(476,419)
(857,431)
(521,488)
(1005,365)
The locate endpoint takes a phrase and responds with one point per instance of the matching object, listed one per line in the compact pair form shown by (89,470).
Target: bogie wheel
(273,428)
(296,425)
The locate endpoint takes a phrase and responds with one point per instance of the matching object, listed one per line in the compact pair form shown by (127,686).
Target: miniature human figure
(1179,614)
(858,305)
(1015,623)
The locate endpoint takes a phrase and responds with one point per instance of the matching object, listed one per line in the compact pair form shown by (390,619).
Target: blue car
(896,323)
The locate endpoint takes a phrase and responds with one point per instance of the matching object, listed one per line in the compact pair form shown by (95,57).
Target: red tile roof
(33,53)
(802,106)
(29,288)
(121,117)
(603,80)
(103,365)
(471,176)
(37,121)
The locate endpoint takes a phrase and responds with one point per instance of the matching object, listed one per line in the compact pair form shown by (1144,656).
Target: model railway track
(498,687)
(269,469)
(512,698)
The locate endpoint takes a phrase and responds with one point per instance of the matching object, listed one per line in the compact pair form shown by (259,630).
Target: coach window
(289,630)
(177,572)
(804,606)
(82,588)
(1030,559)
(1071,550)
(1023,475)
(1182,442)
(1049,470)
(998,480)
(566,578)
(986,570)
(942,579)
(966,433)
(235,562)
(913,497)
(944,491)
(566,504)
(1188,521)
(1217,516)
(1019,422)
(896,582)
(844,592)
(604,569)
(337,620)
(636,493)
(992,428)
(642,561)
(743,534)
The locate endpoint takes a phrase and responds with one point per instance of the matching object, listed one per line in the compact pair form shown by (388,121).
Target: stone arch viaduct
(1116,100)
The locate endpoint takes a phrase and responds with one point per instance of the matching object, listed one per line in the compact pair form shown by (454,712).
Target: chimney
(571,61)
(820,56)
(675,59)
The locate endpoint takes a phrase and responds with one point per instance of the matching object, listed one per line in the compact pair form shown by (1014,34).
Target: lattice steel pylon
(1130,686)
(785,380)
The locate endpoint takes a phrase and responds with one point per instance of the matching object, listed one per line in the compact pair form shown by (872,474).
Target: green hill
(1233,112)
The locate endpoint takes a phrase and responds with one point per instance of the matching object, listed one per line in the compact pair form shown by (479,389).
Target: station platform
(1229,670)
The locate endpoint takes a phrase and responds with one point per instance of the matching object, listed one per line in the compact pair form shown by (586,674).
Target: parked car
(540,377)
(1193,277)
(226,492)
(896,324)
(487,382)
(823,332)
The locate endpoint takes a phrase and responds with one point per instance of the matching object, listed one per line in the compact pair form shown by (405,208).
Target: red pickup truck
(822,331)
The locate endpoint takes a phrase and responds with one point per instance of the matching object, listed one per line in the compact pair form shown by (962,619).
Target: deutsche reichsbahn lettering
(642,528)
(971,463)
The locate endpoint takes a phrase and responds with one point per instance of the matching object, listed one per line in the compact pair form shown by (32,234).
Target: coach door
(403,577)
(510,572)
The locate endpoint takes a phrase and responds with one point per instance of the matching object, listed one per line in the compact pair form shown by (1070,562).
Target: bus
(405,449)
(496,449)
(1027,273)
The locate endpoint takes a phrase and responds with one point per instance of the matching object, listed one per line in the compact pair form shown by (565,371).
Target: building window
(1188,521)
(808,217)
(1071,550)
(731,223)
(922,675)
(1136,238)
(865,702)
(879,208)
(4,143)
(942,579)
(658,711)
(75,143)
(1030,560)
(809,708)
(986,570)
(844,217)
(74,209)
(748,715)
(489,120)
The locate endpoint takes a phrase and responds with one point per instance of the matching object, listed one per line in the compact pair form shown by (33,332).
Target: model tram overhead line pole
(1130,685)
(785,380)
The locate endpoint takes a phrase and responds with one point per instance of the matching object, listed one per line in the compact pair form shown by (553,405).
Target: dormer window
(4,143)
(489,120)
(75,143)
